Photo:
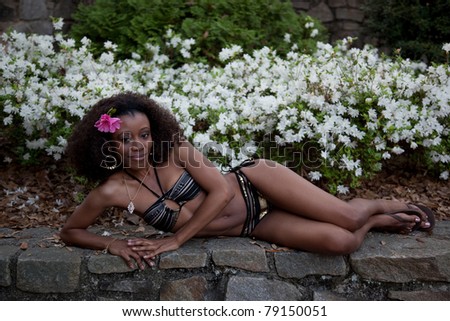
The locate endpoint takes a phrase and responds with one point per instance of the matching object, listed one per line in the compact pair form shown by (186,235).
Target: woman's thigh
(291,192)
(289,230)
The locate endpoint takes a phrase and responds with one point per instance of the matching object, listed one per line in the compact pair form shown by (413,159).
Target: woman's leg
(286,229)
(286,190)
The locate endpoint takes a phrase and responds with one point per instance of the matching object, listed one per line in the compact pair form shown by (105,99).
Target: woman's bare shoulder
(107,191)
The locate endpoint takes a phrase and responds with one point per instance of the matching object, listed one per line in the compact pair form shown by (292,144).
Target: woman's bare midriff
(229,222)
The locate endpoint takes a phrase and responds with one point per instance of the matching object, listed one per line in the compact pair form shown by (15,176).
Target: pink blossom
(108,124)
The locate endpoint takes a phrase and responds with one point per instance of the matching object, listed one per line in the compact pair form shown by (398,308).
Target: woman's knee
(341,244)
(351,218)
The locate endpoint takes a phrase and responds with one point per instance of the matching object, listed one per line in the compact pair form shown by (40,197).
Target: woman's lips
(137,157)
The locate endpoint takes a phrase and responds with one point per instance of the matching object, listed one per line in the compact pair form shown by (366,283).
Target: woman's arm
(217,189)
(74,231)
(218,195)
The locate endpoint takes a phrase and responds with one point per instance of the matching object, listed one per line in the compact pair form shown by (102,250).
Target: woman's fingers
(152,248)
(134,257)
(131,257)
(141,244)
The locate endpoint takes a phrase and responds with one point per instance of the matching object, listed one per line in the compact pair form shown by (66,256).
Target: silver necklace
(131,206)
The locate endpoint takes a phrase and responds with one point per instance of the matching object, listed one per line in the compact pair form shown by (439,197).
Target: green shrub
(213,24)
(418,28)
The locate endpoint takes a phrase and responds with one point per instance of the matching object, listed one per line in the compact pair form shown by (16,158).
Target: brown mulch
(45,196)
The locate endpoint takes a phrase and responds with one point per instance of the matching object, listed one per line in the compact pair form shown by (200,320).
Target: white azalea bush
(338,113)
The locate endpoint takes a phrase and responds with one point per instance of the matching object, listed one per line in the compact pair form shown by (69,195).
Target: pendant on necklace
(130,207)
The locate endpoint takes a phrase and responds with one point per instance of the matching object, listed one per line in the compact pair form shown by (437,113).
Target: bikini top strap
(245,163)
(157,179)
(134,177)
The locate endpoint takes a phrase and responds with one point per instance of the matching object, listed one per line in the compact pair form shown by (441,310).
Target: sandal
(430,217)
(412,211)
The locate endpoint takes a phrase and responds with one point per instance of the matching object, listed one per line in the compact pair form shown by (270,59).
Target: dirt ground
(47,195)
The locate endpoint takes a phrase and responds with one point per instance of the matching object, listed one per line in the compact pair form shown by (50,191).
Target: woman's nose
(136,145)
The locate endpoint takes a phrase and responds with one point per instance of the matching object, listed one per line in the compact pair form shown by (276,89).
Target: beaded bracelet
(106,250)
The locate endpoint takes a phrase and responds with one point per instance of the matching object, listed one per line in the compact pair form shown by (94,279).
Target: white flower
(342,189)
(446,47)
(314,176)
(58,23)
(107,58)
(227,53)
(349,164)
(36,144)
(174,42)
(7,120)
(188,43)
(444,175)
(314,33)
(185,53)
(398,150)
(287,37)
(110,46)
(85,41)
(135,56)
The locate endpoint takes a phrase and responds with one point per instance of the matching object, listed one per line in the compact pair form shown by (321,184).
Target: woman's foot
(396,222)
(425,215)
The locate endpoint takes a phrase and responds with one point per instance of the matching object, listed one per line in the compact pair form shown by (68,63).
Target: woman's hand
(153,247)
(121,248)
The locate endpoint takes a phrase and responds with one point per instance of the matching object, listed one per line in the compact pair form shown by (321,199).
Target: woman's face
(133,140)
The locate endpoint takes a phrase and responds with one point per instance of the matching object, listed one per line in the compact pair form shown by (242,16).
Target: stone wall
(33,16)
(35,265)
(342,17)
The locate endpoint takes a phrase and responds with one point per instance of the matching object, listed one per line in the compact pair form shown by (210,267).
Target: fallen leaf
(140,229)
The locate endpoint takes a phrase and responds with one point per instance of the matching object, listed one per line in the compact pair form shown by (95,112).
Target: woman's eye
(146,135)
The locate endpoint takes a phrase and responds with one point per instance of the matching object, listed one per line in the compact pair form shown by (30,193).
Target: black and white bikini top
(159,215)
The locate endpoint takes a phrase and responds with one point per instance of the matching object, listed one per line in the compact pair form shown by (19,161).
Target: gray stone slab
(40,236)
(7,252)
(424,295)
(31,236)
(397,258)
(189,289)
(321,12)
(243,288)
(239,253)
(48,270)
(128,286)
(301,264)
(351,14)
(190,255)
(327,296)
(441,230)
(33,9)
(107,263)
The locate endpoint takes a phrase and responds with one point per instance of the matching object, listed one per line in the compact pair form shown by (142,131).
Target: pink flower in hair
(108,124)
